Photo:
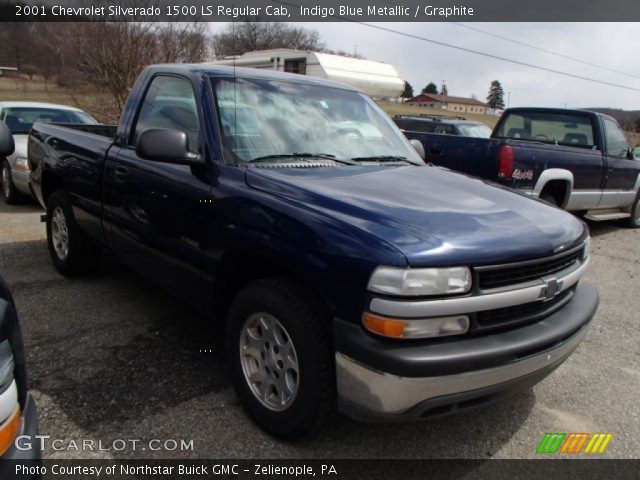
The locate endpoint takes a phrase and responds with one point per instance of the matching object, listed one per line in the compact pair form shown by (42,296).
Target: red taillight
(505,162)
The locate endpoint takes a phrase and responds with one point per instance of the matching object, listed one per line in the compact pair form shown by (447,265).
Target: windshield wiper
(303,155)
(382,159)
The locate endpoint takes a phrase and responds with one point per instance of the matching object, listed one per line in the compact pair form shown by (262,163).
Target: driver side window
(169,103)
(616,141)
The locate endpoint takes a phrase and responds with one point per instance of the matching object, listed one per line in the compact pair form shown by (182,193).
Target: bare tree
(239,38)
(111,55)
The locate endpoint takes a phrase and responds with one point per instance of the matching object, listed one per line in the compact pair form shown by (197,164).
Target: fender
(555,174)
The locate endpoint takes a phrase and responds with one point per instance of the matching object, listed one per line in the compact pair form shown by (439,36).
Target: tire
(634,220)
(70,250)
(9,191)
(300,332)
(547,197)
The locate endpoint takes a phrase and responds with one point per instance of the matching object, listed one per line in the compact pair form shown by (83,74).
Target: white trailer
(376,79)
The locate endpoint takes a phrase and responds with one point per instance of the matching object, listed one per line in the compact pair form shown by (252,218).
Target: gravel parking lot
(111,356)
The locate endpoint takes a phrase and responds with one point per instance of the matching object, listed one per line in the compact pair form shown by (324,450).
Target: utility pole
(444,93)
(508,99)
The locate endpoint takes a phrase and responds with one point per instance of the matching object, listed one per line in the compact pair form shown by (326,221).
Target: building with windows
(376,79)
(449,103)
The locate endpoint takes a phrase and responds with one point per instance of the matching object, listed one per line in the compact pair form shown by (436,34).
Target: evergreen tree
(408,90)
(495,99)
(430,88)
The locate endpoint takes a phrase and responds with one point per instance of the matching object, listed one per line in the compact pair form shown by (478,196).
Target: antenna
(235,80)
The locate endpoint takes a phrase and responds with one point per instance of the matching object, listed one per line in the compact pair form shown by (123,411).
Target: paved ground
(113,357)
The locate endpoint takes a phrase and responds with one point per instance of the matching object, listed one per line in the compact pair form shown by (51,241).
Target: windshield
(21,119)
(478,130)
(550,127)
(282,120)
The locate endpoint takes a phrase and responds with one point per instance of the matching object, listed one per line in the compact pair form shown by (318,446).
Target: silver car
(19,117)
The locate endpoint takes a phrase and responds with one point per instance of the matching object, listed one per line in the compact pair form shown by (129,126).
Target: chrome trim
(390,394)
(477,303)
(6,364)
(8,401)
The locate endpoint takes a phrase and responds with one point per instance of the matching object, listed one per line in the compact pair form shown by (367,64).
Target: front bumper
(378,379)
(29,428)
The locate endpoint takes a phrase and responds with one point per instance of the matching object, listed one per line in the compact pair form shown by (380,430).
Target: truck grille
(503,275)
(519,315)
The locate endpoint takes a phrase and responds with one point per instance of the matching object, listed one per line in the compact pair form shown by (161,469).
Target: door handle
(435,151)
(120,174)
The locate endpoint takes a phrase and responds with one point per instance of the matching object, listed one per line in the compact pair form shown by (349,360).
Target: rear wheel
(547,197)
(280,358)
(69,248)
(9,191)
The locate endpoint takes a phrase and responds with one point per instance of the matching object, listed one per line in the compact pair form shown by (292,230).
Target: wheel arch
(556,178)
(240,267)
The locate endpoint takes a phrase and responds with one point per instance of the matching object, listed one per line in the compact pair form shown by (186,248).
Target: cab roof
(215,70)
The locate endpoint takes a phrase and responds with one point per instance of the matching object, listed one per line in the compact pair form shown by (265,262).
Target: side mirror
(417,144)
(6,141)
(167,146)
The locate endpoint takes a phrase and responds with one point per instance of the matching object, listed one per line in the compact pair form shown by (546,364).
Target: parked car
(19,117)
(442,125)
(577,160)
(18,413)
(342,268)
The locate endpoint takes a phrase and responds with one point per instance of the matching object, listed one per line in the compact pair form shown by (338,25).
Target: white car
(19,117)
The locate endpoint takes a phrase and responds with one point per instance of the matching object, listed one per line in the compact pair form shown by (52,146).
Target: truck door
(154,209)
(621,172)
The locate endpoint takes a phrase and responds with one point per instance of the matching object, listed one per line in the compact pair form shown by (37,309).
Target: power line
(528,45)
(497,57)
(475,52)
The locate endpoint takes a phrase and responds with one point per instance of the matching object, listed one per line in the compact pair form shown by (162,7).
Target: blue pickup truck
(343,270)
(577,160)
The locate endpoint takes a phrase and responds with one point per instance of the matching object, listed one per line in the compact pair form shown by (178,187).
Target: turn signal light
(8,431)
(416,328)
(383,326)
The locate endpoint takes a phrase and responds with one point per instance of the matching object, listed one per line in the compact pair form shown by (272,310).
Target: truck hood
(434,217)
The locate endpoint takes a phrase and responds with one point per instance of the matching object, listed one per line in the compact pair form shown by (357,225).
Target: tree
(408,90)
(430,88)
(495,99)
(239,38)
(111,55)
(443,90)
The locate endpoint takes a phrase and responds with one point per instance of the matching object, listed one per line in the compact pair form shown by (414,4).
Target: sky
(615,46)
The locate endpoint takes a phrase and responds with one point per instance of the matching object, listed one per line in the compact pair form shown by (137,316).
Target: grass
(97,104)
(403,109)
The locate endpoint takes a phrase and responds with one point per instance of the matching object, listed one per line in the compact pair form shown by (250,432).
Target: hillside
(626,118)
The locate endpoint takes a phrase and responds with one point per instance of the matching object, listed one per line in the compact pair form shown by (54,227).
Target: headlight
(22,164)
(420,281)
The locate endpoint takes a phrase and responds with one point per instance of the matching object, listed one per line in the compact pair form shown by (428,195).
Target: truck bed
(76,155)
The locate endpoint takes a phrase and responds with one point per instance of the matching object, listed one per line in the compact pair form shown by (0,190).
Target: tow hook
(43,218)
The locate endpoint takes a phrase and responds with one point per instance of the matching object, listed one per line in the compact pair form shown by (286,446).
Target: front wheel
(9,191)
(69,248)
(634,220)
(280,358)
